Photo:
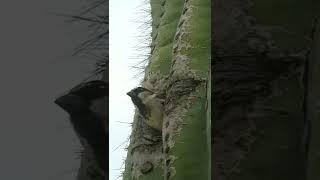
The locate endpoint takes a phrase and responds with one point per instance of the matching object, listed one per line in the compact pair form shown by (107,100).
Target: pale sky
(124,32)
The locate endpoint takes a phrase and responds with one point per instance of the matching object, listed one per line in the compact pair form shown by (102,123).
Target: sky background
(37,141)
(126,49)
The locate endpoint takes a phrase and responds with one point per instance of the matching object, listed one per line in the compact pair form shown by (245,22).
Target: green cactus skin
(178,68)
(165,17)
(187,154)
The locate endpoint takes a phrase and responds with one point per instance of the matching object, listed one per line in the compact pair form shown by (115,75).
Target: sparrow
(149,106)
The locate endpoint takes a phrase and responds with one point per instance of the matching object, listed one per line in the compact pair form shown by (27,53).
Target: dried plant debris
(95,15)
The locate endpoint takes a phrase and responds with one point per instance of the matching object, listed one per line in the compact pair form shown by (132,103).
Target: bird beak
(61,101)
(129,93)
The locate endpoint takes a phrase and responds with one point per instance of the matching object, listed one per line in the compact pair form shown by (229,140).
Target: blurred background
(36,66)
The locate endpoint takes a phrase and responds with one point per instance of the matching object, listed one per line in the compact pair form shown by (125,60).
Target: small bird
(88,124)
(149,105)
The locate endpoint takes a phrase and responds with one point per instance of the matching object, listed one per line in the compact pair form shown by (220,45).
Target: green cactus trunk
(178,69)
(260,51)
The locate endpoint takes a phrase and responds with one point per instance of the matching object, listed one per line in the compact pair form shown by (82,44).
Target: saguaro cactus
(178,70)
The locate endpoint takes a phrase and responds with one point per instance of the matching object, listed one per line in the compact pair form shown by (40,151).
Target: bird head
(73,104)
(138,95)
(80,97)
(136,92)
